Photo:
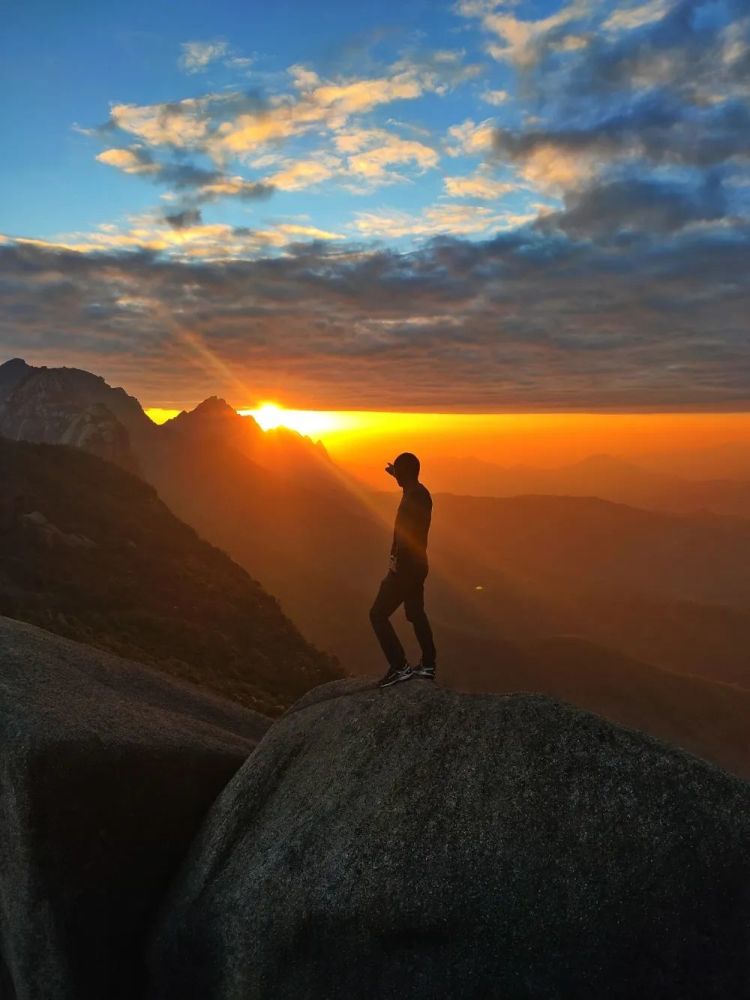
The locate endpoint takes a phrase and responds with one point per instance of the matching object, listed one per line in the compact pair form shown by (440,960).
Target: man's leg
(389,597)
(415,613)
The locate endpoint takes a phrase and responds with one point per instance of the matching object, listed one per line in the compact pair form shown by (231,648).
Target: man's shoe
(425,671)
(395,675)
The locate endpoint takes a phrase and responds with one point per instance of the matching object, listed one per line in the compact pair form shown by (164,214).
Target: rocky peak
(214,420)
(71,406)
(211,409)
(12,373)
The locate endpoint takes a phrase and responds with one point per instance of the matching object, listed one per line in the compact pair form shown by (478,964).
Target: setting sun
(309,422)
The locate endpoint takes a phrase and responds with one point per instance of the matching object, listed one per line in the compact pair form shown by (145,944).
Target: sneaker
(426,671)
(395,675)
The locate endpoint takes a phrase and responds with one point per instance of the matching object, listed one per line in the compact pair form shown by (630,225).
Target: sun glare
(310,422)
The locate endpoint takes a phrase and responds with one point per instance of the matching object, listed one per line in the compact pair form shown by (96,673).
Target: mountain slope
(670,589)
(89,551)
(603,476)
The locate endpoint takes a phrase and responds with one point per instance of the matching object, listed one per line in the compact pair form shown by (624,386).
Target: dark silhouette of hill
(670,589)
(11,374)
(727,460)
(90,551)
(418,843)
(689,557)
(603,476)
(108,770)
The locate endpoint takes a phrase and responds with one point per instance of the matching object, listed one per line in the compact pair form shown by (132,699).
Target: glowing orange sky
(361,438)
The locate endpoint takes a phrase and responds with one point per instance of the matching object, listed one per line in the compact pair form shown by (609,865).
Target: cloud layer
(531,319)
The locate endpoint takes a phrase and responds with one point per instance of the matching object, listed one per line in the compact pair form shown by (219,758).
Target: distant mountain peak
(13,363)
(12,373)
(601,460)
(214,404)
(211,412)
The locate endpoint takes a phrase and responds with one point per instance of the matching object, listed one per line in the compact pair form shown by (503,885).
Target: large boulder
(107,770)
(418,843)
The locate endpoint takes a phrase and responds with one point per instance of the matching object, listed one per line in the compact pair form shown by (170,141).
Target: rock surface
(107,771)
(419,843)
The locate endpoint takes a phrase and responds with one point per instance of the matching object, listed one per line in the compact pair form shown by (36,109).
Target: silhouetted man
(404,582)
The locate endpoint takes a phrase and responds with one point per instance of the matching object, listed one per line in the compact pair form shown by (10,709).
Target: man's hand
(390,469)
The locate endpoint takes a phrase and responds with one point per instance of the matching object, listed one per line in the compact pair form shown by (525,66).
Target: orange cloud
(478,186)
(446,218)
(470,137)
(128,160)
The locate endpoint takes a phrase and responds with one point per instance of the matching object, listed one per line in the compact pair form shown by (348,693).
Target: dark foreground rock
(107,769)
(417,843)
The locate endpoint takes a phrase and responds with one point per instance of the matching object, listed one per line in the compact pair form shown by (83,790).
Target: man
(404,582)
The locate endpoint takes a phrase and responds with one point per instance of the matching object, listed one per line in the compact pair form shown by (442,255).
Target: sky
(475,206)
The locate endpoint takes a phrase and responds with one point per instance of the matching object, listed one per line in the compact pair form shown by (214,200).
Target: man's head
(404,469)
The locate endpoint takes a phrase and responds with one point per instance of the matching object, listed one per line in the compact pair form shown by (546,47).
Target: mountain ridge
(502,572)
(90,551)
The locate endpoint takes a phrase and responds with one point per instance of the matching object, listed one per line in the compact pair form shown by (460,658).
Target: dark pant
(395,589)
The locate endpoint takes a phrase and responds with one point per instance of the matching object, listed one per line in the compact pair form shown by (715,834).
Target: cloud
(478,186)
(298,174)
(630,17)
(308,130)
(195,184)
(179,124)
(545,163)
(693,50)
(135,160)
(650,120)
(638,206)
(523,43)
(237,125)
(234,124)
(471,138)
(455,219)
(183,220)
(242,63)
(183,235)
(196,56)
(372,151)
(496,97)
(655,131)
(528,319)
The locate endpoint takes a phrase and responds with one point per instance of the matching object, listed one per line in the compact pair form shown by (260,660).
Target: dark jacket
(409,547)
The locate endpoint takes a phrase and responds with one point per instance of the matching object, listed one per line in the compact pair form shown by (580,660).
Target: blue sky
(510,204)
(67,66)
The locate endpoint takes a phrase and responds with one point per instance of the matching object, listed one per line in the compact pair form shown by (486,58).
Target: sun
(268,415)
(310,422)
